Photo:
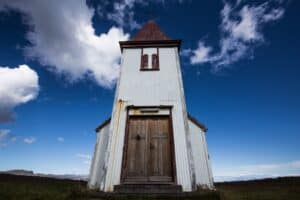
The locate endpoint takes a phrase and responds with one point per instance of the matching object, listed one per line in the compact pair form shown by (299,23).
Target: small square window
(145,64)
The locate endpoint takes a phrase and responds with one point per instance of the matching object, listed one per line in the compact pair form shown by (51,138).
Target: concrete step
(150,189)
(202,195)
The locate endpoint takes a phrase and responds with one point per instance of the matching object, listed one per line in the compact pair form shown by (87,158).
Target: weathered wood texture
(148,156)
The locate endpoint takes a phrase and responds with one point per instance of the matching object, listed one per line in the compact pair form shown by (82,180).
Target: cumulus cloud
(6,137)
(241,31)
(123,13)
(29,140)
(4,133)
(3,136)
(62,36)
(201,54)
(17,86)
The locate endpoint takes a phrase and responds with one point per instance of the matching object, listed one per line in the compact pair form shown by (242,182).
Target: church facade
(150,138)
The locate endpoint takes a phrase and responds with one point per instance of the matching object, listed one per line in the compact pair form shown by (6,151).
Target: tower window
(149,63)
(155,61)
(144,61)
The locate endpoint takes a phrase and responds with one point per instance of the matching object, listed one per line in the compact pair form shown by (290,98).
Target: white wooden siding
(201,159)
(97,173)
(149,88)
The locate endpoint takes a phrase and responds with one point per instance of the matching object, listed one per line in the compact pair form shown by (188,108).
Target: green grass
(37,188)
(26,187)
(287,188)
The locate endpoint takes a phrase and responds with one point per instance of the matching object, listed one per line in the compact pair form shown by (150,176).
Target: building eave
(196,122)
(149,43)
(103,124)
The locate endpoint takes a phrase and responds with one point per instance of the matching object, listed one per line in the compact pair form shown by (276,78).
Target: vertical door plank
(148,157)
(136,151)
(166,149)
(160,154)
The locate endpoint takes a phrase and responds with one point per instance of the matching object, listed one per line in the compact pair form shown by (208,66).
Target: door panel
(148,155)
(160,164)
(137,150)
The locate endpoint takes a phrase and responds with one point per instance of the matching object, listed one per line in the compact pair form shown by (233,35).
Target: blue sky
(59,62)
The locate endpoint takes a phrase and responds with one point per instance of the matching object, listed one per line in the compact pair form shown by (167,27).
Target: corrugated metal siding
(141,88)
(199,150)
(115,148)
(97,172)
(149,87)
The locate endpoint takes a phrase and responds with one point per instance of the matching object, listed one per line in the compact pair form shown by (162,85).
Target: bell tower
(147,140)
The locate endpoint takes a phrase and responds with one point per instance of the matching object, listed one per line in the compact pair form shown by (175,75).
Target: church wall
(97,173)
(149,88)
(201,159)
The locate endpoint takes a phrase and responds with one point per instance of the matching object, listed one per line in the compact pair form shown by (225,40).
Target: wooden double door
(148,151)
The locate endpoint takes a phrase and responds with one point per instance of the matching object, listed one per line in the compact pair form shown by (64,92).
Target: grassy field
(287,188)
(26,187)
(34,188)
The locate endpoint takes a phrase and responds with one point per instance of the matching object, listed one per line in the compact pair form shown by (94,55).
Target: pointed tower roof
(150,35)
(149,32)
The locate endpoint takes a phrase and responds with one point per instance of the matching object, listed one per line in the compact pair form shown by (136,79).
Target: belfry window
(144,61)
(155,61)
(149,59)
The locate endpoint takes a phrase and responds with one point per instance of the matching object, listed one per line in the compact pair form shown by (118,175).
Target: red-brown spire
(150,35)
(150,32)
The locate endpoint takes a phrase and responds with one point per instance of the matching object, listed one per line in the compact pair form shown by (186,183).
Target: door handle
(138,137)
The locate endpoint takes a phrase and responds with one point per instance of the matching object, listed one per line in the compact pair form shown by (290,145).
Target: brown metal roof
(150,32)
(150,35)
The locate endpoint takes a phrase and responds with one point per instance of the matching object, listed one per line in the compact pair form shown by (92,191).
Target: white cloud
(17,86)
(241,31)
(86,159)
(241,178)
(29,140)
(13,139)
(6,138)
(123,13)
(62,36)
(258,171)
(201,54)
(83,156)
(87,162)
(3,137)
(4,133)
(276,168)
(60,139)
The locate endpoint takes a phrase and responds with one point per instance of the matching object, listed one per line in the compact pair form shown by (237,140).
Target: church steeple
(150,35)
(150,32)
(150,139)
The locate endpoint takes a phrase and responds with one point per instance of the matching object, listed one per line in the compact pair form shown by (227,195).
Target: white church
(150,142)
